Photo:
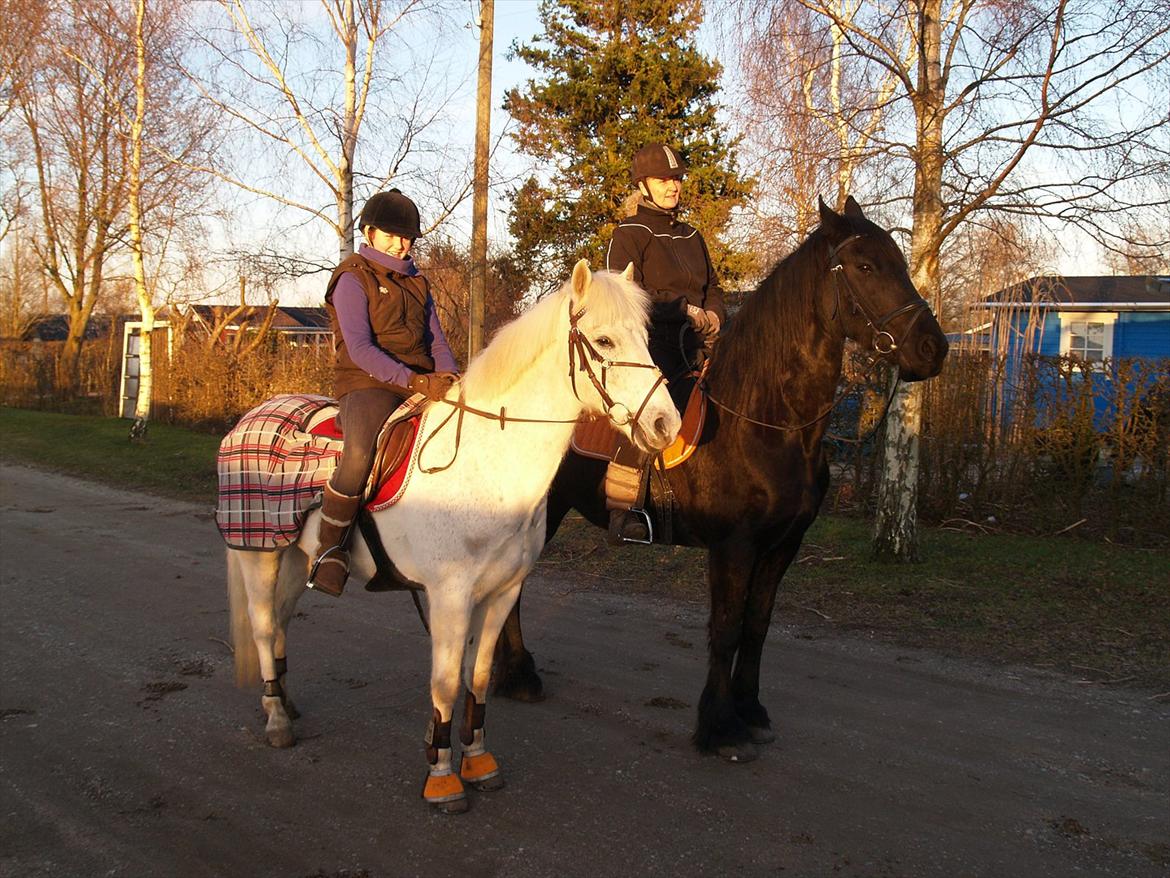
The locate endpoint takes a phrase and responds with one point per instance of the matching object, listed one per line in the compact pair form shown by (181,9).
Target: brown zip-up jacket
(398,316)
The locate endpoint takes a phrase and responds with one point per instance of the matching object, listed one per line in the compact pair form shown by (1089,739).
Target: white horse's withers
(472,530)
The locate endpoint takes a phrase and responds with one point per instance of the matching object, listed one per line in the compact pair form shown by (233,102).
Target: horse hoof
(743,752)
(489,784)
(760,735)
(280,738)
(481,771)
(445,793)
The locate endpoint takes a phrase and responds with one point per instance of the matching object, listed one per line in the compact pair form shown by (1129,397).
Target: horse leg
(516,675)
(290,586)
(745,680)
(477,766)
(515,670)
(720,728)
(259,572)
(450,616)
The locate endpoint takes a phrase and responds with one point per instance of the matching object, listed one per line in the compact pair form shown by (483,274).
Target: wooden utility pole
(483,119)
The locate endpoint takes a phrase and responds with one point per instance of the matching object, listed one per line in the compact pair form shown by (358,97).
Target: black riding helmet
(657,160)
(393,213)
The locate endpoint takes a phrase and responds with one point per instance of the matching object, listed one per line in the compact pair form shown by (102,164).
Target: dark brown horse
(755,484)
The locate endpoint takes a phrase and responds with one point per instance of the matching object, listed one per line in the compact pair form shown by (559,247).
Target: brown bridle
(582,350)
(582,356)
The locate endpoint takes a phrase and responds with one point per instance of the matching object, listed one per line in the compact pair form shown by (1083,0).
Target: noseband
(884,342)
(582,357)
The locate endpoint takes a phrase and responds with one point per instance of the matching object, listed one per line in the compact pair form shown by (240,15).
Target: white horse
(471,531)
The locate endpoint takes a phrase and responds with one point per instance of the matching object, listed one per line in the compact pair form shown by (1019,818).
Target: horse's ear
(829,217)
(582,277)
(628,274)
(852,208)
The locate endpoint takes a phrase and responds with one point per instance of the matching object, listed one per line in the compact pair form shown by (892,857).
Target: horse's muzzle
(655,432)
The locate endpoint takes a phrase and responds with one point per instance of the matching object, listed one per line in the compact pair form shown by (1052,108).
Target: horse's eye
(603,341)
(865,268)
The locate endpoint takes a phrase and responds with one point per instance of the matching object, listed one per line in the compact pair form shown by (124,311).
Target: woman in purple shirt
(389,345)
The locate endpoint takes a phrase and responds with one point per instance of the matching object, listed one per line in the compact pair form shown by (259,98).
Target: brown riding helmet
(657,160)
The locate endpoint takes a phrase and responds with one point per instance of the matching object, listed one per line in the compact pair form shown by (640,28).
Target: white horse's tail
(243,644)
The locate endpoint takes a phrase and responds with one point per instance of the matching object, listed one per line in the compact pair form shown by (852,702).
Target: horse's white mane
(610,300)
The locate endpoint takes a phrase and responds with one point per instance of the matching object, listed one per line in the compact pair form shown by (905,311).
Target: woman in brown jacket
(389,345)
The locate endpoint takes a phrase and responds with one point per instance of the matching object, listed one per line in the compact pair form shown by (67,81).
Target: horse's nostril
(660,426)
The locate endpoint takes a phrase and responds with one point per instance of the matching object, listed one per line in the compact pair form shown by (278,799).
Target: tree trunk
(896,528)
(145,305)
(896,531)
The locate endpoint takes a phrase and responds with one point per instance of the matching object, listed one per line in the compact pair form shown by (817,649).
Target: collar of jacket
(644,204)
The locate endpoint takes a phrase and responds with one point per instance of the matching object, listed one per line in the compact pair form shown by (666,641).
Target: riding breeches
(363,412)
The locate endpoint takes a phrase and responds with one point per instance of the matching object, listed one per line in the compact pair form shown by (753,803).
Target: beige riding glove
(706,323)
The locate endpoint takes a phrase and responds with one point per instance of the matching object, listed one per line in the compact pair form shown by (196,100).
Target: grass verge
(172,462)
(1099,611)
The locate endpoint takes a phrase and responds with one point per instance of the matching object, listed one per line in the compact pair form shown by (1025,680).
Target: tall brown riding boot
(623,489)
(331,568)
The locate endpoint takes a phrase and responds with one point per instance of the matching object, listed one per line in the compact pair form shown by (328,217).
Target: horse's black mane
(770,326)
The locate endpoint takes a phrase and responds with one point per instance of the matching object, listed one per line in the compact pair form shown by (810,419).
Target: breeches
(362,414)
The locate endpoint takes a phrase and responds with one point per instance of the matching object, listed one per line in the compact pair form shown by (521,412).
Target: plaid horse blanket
(272,471)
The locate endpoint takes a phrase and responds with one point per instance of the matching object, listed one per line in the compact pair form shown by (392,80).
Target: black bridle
(878,326)
(582,356)
(890,345)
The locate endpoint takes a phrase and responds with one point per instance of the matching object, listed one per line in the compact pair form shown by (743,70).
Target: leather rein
(883,343)
(583,357)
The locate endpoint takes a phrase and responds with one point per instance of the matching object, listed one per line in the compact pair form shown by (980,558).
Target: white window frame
(1068,318)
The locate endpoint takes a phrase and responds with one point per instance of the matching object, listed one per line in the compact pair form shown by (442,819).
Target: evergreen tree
(616,75)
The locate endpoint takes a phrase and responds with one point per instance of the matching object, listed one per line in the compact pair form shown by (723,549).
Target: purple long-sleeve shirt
(353,313)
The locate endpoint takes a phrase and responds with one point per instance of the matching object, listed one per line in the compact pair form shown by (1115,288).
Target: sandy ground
(125,749)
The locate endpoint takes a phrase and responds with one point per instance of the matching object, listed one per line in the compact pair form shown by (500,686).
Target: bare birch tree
(810,114)
(145,302)
(1007,107)
(303,98)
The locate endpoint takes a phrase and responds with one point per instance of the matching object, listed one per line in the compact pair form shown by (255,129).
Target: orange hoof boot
(481,771)
(445,793)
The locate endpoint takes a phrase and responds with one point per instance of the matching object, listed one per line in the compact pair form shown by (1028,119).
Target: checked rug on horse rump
(478,475)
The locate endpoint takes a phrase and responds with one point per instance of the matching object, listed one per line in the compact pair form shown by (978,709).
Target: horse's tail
(243,644)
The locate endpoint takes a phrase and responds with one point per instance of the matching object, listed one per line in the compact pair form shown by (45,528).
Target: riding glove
(706,323)
(434,384)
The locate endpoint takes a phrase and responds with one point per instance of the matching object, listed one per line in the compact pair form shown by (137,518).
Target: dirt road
(125,750)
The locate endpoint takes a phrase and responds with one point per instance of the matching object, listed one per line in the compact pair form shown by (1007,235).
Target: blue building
(1082,329)
(1094,319)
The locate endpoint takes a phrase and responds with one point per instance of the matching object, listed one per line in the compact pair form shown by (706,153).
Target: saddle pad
(272,470)
(275,463)
(594,437)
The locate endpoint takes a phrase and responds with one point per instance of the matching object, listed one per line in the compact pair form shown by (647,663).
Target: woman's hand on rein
(434,384)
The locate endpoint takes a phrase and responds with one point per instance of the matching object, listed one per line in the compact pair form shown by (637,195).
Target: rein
(881,348)
(581,351)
